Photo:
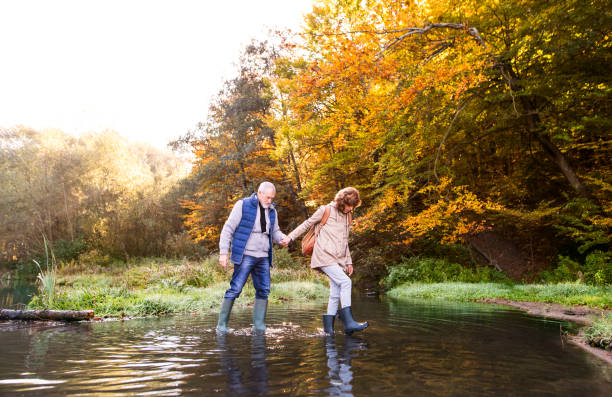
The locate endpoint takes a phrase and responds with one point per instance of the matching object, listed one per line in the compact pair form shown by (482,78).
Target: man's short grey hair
(265,186)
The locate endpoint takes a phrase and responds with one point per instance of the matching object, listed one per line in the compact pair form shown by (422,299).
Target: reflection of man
(251,228)
(238,383)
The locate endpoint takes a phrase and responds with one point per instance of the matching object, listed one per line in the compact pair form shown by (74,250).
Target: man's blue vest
(245,227)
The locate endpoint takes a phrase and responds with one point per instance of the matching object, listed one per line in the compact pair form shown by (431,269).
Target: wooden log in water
(49,315)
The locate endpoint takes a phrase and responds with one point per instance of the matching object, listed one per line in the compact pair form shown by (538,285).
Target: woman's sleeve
(308,223)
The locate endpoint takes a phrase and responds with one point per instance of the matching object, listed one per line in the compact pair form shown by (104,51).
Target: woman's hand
(349,269)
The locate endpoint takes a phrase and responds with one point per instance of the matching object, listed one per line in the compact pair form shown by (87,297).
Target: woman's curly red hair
(347,196)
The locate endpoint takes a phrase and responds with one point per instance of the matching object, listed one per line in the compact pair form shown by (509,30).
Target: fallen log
(49,315)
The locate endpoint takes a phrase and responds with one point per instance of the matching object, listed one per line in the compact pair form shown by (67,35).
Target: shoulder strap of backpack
(325,215)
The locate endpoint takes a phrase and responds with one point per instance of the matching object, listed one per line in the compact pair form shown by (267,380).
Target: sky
(146,69)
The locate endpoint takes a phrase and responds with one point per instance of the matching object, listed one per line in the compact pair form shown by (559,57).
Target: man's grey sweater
(258,243)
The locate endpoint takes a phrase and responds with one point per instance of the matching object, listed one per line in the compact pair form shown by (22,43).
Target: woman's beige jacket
(331,245)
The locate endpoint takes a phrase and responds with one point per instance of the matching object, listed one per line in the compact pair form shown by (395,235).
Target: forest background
(478,133)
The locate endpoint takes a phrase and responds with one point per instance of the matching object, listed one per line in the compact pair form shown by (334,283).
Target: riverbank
(157,287)
(590,306)
(153,286)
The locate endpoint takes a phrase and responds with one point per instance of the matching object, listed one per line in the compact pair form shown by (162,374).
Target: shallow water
(411,348)
(15,293)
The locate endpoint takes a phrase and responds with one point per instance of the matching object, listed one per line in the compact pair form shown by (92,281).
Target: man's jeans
(259,269)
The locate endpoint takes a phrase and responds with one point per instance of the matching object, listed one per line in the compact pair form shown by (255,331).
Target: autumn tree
(458,119)
(235,148)
(97,191)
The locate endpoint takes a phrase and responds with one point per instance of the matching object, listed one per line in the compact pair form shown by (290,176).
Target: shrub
(433,270)
(599,334)
(283,260)
(154,307)
(566,270)
(95,258)
(195,275)
(598,268)
(47,277)
(68,250)
(181,245)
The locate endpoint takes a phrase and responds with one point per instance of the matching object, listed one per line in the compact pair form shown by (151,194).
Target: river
(412,348)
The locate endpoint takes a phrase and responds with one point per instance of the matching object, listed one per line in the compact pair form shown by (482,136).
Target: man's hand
(285,241)
(223,260)
(349,269)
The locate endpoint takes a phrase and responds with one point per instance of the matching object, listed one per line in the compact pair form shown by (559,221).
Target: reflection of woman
(331,255)
(340,372)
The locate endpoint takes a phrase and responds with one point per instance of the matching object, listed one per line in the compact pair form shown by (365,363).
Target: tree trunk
(49,315)
(550,148)
(509,75)
(533,127)
(296,173)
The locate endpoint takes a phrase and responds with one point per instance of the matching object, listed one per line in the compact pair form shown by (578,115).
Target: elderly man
(252,227)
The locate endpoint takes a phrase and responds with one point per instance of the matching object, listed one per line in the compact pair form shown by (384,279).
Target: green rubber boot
(259,315)
(224,313)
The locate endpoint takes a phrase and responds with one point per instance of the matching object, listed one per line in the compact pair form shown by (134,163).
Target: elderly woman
(331,255)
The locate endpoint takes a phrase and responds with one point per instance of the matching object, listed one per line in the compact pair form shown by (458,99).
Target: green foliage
(155,286)
(154,307)
(432,270)
(283,259)
(581,221)
(98,191)
(67,250)
(180,245)
(47,277)
(173,274)
(596,270)
(599,334)
(563,293)
(566,270)
(95,257)
(446,134)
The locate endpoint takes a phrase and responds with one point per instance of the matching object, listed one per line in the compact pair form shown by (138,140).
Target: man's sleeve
(277,235)
(229,227)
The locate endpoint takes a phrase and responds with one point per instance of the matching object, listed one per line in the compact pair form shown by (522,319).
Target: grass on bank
(563,293)
(598,334)
(154,286)
(436,278)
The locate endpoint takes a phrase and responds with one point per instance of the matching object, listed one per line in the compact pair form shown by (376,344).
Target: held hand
(349,269)
(285,241)
(223,261)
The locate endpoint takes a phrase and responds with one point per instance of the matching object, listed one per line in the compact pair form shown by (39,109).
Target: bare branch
(412,31)
(407,32)
(376,32)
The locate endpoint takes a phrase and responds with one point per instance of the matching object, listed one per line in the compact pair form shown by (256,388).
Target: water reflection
(15,293)
(254,383)
(412,348)
(340,372)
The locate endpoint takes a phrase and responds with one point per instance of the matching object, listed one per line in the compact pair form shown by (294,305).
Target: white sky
(147,69)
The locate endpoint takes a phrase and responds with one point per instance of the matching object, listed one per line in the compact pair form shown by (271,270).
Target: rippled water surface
(411,348)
